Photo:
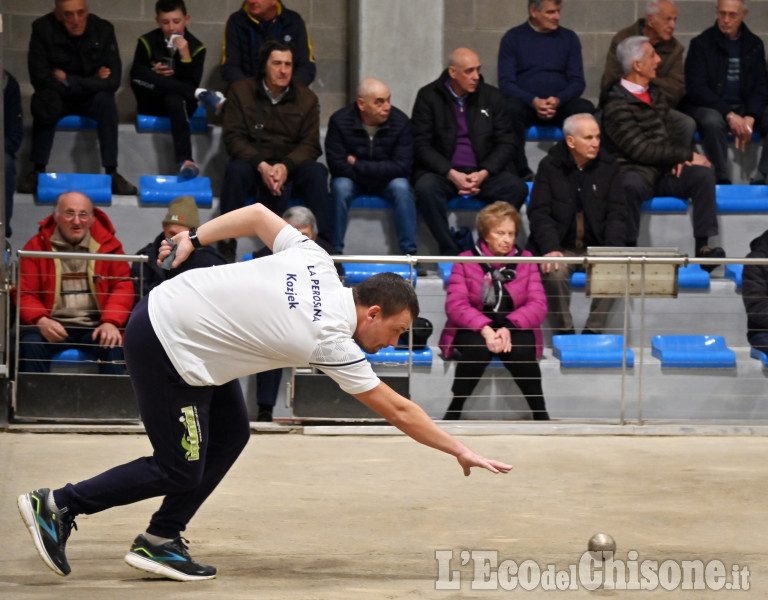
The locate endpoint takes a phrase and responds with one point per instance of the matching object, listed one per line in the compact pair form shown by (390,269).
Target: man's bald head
(464,70)
(374,101)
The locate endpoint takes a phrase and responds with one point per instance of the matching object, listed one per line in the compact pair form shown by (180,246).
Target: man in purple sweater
(541,73)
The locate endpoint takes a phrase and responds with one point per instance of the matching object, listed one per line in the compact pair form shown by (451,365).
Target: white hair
(571,123)
(652,7)
(630,50)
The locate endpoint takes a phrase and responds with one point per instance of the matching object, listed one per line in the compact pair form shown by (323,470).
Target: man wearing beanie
(182,215)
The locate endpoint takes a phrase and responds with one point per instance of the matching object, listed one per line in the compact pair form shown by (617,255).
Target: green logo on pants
(190,441)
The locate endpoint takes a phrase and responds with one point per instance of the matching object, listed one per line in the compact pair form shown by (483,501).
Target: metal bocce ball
(602,542)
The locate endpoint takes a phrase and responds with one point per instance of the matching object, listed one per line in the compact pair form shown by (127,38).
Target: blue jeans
(397,192)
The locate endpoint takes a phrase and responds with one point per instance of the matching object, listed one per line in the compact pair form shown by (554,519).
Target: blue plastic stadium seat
(591,351)
(544,133)
(692,277)
(374,202)
(734,273)
(355,273)
(76,122)
(693,351)
(742,198)
(578,280)
(755,137)
(71,357)
(160,190)
(761,356)
(97,187)
(665,204)
(444,271)
(465,203)
(390,354)
(198,122)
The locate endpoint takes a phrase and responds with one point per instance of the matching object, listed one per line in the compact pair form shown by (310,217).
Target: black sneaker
(49,530)
(228,249)
(707,252)
(121,187)
(28,185)
(169,560)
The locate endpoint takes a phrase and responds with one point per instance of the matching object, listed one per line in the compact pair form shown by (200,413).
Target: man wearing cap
(182,216)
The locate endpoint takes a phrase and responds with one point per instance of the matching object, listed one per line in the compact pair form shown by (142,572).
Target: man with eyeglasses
(727,88)
(66,303)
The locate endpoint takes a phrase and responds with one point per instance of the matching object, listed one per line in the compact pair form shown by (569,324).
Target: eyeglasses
(71,214)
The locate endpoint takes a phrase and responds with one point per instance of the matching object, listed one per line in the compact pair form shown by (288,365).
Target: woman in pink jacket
(495,309)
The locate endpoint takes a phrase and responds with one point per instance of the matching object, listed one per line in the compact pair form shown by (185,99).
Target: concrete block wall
(480,24)
(327,21)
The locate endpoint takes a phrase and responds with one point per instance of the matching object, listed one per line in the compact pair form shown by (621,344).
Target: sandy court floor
(343,518)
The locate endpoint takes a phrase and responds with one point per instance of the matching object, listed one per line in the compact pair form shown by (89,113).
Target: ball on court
(602,542)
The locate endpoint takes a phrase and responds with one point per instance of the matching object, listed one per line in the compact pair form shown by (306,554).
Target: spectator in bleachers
(254,24)
(272,133)
(654,162)
(541,73)
(369,150)
(79,303)
(495,309)
(463,145)
(14,134)
(754,293)
(268,382)
(75,68)
(727,88)
(182,215)
(165,78)
(577,201)
(659,27)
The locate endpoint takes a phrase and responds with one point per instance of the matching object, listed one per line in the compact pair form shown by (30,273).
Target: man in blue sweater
(541,73)
(369,150)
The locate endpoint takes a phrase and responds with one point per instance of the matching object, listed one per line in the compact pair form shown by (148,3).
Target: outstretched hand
(470,459)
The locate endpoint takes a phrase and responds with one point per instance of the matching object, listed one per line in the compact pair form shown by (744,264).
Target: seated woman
(495,309)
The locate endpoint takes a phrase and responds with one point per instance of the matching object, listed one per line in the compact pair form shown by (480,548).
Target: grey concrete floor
(346,517)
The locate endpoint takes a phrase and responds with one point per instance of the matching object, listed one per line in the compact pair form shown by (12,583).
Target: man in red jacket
(74,302)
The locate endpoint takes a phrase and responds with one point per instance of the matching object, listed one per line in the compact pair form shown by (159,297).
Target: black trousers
(433,192)
(196,433)
(178,104)
(520,362)
(48,107)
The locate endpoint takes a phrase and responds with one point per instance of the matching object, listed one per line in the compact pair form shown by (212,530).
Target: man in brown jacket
(659,27)
(272,133)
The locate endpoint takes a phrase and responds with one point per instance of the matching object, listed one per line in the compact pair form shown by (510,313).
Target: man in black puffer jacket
(577,201)
(654,162)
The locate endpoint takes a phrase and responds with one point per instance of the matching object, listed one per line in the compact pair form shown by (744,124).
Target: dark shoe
(564,332)
(188,170)
(49,530)
(28,185)
(723,182)
(758,179)
(707,252)
(169,560)
(264,415)
(121,187)
(228,249)
(586,331)
(213,100)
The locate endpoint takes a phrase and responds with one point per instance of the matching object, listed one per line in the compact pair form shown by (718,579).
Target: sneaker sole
(156,568)
(28,516)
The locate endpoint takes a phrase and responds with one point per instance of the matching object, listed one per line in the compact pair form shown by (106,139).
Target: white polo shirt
(286,310)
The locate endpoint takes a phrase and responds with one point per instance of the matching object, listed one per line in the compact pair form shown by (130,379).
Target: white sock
(52,504)
(156,540)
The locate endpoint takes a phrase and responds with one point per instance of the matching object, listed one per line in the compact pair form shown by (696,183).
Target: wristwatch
(194,239)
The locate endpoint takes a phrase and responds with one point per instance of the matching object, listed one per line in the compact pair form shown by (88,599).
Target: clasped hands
(497,341)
